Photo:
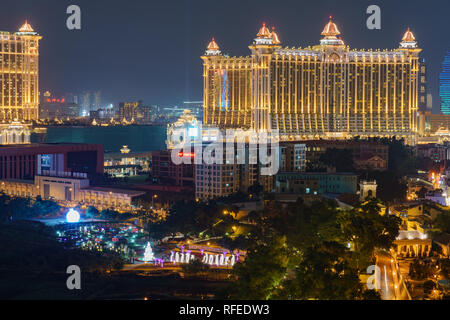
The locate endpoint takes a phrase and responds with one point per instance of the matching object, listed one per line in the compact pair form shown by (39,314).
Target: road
(390,282)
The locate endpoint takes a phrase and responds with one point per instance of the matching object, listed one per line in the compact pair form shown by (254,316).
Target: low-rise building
(370,162)
(60,172)
(362,151)
(127,163)
(413,243)
(434,151)
(72,189)
(165,171)
(24,161)
(316,183)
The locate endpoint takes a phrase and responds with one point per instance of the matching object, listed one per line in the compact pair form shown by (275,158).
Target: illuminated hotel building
(19,75)
(323,91)
(445,85)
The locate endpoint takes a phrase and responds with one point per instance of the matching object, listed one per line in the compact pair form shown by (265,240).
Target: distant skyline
(150,50)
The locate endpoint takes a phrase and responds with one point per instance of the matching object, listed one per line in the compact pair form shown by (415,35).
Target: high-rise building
(323,91)
(423,92)
(85,103)
(19,75)
(128,111)
(52,107)
(445,85)
(97,100)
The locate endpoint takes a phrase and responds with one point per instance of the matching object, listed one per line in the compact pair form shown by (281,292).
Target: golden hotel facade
(325,91)
(19,75)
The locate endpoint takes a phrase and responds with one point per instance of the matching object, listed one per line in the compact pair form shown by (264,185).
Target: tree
(260,275)
(256,189)
(401,159)
(445,268)
(300,251)
(20,208)
(325,273)
(240,242)
(421,194)
(428,286)
(367,230)
(442,221)
(192,218)
(92,213)
(419,270)
(371,295)
(45,207)
(109,214)
(303,225)
(194,267)
(4,213)
(390,185)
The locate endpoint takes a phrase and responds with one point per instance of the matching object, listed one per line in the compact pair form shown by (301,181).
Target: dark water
(138,138)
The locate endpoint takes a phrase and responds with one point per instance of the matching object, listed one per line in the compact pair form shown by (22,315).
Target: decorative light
(148,254)
(72,216)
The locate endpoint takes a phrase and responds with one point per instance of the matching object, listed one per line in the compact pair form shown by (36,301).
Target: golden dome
(213,46)
(331,29)
(264,32)
(409,36)
(26,27)
(274,35)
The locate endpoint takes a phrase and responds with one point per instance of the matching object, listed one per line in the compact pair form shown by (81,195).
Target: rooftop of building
(369,156)
(39,145)
(443,239)
(406,206)
(343,142)
(26,29)
(131,193)
(119,155)
(30,182)
(331,38)
(319,173)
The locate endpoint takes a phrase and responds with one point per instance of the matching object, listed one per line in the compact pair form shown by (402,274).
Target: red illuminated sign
(181,154)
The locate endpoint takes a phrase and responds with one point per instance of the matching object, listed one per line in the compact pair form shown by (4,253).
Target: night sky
(151,50)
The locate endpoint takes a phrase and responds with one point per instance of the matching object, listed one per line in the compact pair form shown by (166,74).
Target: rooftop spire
(263,32)
(26,27)
(213,45)
(409,36)
(213,48)
(331,33)
(408,40)
(331,29)
(275,39)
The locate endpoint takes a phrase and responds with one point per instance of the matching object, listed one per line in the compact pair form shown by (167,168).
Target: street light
(155,196)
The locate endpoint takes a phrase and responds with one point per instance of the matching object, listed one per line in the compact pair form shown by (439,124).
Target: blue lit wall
(224,94)
(445,85)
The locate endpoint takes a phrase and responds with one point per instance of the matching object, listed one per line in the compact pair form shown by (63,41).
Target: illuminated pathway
(391,287)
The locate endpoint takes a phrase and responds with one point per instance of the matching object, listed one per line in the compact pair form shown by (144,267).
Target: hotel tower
(323,91)
(19,75)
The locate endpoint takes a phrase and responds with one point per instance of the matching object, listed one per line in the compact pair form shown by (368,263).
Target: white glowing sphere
(72,216)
